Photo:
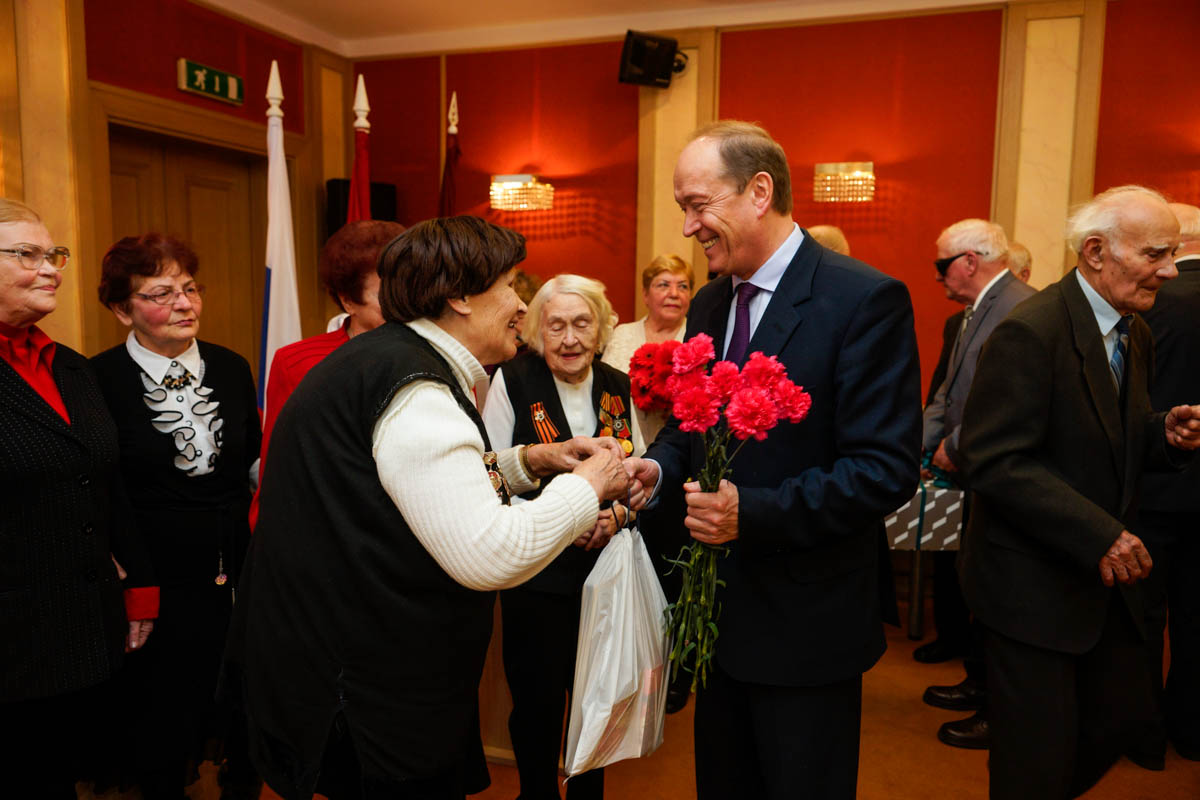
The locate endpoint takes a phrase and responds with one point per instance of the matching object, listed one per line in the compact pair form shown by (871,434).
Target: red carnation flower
(762,371)
(791,400)
(694,354)
(696,409)
(751,412)
(678,384)
(725,380)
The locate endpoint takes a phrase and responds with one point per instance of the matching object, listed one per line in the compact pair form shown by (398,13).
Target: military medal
(221,578)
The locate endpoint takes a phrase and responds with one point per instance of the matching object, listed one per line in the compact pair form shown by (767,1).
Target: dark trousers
(1172,594)
(540,636)
(777,742)
(950,614)
(44,742)
(1059,721)
(342,777)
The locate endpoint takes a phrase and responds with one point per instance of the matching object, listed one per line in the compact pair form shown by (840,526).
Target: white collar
(771,272)
(983,293)
(465,366)
(1106,316)
(156,366)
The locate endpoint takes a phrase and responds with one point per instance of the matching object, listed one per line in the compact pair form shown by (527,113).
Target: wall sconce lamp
(844,182)
(521,193)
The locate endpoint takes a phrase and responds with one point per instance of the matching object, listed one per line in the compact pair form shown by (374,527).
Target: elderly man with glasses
(972,264)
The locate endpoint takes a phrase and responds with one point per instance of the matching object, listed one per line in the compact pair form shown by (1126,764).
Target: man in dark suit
(972,263)
(1056,432)
(802,511)
(1169,515)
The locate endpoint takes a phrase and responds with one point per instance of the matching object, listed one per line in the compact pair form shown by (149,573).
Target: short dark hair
(746,150)
(353,253)
(442,259)
(146,255)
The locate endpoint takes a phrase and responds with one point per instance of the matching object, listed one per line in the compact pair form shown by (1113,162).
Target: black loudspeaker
(337,203)
(649,60)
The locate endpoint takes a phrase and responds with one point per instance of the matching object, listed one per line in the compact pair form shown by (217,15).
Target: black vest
(344,608)
(540,419)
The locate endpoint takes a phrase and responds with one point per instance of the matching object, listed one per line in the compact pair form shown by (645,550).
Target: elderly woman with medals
(557,390)
(384,530)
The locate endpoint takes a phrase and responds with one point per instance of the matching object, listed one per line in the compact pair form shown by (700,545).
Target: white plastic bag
(620,693)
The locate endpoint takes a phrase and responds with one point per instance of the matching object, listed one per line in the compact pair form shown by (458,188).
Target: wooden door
(204,195)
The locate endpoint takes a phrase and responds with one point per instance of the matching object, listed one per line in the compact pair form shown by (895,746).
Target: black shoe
(938,650)
(965,696)
(677,697)
(971,733)
(1155,762)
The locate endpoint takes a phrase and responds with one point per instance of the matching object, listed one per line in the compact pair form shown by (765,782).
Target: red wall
(1150,98)
(405,131)
(917,96)
(135,44)
(559,113)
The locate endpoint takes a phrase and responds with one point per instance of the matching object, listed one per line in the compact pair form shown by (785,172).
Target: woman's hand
(608,523)
(604,472)
(556,457)
(139,631)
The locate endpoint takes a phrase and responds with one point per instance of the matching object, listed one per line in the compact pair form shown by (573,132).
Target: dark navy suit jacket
(801,605)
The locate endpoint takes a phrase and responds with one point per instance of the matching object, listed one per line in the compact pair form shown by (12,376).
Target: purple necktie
(741,323)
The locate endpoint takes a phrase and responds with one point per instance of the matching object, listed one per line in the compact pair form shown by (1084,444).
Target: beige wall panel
(1046,142)
(333,124)
(49,169)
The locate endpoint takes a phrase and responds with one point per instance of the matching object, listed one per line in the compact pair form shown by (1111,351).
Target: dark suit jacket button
(90,576)
(949,402)
(84,480)
(88,528)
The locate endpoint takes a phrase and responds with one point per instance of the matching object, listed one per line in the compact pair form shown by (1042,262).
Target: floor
(901,758)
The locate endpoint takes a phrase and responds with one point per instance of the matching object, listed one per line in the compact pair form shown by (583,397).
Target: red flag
(360,177)
(446,200)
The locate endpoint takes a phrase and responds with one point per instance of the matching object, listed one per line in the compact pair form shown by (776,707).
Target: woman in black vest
(188,428)
(384,530)
(556,390)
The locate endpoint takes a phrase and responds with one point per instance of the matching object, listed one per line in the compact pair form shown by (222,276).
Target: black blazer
(1053,456)
(63,510)
(801,604)
(1175,322)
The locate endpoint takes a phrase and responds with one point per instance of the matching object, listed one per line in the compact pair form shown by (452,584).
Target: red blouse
(30,352)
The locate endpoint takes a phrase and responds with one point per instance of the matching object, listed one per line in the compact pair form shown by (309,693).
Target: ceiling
(365,28)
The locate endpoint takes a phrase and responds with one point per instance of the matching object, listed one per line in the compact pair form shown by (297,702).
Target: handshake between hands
(712,518)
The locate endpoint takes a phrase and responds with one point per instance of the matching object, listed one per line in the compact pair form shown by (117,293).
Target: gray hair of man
(1019,257)
(592,292)
(1102,215)
(985,239)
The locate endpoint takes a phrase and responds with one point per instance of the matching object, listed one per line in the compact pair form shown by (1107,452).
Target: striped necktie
(1117,362)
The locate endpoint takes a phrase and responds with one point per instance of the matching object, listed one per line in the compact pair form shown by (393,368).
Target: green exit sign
(209,82)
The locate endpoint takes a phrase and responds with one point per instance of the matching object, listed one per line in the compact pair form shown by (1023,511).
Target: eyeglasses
(166,297)
(943,264)
(30,256)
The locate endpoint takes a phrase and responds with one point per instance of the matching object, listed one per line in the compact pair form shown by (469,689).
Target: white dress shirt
(766,278)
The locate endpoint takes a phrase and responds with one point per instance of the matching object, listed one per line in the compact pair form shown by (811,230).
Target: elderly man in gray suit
(972,263)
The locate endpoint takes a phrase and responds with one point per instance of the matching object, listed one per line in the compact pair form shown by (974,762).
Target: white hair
(1102,215)
(978,236)
(592,292)
(1019,257)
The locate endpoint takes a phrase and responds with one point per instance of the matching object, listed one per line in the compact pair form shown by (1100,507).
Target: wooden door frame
(113,105)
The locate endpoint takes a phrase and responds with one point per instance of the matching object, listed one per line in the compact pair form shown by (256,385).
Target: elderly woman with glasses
(65,523)
(556,390)
(189,434)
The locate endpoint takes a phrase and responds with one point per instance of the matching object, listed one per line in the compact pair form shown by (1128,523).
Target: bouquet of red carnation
(649,369)
(720,404)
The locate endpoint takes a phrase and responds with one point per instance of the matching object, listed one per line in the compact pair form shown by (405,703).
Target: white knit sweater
(429,456)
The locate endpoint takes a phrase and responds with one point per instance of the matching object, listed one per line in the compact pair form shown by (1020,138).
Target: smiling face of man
(722,219)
